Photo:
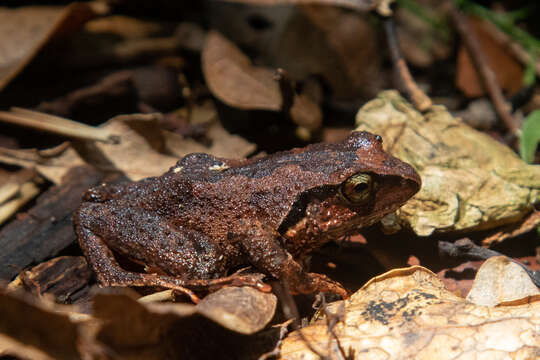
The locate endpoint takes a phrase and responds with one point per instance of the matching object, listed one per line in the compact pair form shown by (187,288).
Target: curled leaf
(233,79)
(241,309)
(26,29)
(469,180)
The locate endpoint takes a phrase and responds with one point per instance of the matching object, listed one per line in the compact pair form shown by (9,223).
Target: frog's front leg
(265,251)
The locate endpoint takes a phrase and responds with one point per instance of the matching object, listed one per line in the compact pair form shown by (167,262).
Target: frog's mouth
(392,192)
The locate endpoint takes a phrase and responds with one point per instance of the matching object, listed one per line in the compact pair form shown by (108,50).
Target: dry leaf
(315,44)
(469,180)
(223,144)
(137,154)
(40,329)
(153,330)
(507,69)
(408,314)
(324,40)
(501,280)
(26,29)
(34,329)
(513,230)
(142,151)
(233,79)
(241,309)
(51,167)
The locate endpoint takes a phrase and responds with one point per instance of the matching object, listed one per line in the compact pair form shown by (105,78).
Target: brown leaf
(233,79)
(53,168)
(143,149)
(507,232)
(324,40)
(408,314)
(137,155)
(123,328)
(152,330)
(224,144)
(25,30)
(241,309)
(507,69)
(36,329)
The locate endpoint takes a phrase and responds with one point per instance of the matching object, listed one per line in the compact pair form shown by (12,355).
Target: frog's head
(358,183)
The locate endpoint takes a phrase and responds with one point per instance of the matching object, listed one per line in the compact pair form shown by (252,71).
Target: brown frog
(205,216)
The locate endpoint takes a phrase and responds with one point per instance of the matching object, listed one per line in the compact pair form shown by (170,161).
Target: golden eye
(357,188)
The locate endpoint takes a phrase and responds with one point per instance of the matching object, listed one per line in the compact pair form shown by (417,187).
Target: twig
(487,76)
(16,192)
(331,321)
(287,90)
(56,125)
(466,249)
(419,99)
(283,330)
(290,311)
(165,295)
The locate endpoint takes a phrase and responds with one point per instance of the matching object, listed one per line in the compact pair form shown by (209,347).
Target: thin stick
(56,125)
(164,295)
(287,90)
(487,76)
(466,249)
(419,99)
(26,192)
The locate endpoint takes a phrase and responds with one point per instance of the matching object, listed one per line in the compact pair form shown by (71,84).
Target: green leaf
(530,136)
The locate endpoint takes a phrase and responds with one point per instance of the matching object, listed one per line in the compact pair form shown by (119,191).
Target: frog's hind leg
(110,273)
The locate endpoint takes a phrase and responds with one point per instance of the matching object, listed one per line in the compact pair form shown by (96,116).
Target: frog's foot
(126,278)
(322,283)
(309,283)
(236,279)
(186,287)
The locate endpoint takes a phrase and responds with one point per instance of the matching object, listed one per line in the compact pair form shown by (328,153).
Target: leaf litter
(401,314)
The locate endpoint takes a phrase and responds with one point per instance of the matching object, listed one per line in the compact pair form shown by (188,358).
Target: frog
(191,227)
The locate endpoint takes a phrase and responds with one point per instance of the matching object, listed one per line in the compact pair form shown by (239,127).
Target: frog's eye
(357,188)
